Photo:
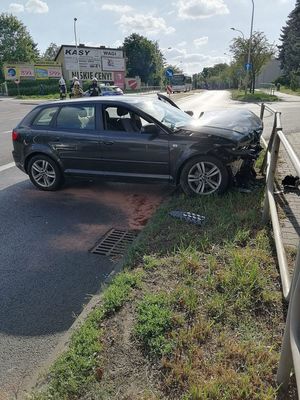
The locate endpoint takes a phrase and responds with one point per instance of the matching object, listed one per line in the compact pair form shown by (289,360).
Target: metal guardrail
(290,351)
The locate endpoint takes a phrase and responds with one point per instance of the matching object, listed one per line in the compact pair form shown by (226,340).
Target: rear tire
(204,175)
(45,173)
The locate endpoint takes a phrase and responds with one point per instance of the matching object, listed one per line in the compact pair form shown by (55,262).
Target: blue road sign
(248,66)
(169,73)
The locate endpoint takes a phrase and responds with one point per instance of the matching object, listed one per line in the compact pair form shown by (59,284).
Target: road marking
(7,166)
(7,131)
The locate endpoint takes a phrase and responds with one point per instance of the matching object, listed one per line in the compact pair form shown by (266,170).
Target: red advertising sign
(26,72)
(54,72)
(119,79)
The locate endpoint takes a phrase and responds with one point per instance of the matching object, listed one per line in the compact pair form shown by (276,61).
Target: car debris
(291,181)
(189,217)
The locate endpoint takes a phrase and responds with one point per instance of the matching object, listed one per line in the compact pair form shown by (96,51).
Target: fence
(290,351)
(269,87)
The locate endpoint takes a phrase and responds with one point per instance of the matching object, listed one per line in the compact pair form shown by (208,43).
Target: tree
(261,53)
(143,59)
(50,52)
(16,44)
(289,51)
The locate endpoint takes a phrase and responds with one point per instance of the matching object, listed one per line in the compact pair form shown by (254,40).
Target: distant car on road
(135,138)
(107,91)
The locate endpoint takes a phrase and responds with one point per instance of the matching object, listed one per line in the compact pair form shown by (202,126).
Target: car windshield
(168,115)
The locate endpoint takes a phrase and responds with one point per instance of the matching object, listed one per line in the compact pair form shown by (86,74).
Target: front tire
(204,175)
(44,173)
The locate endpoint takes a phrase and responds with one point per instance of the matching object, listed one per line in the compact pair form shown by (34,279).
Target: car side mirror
(151,129)
(191,113)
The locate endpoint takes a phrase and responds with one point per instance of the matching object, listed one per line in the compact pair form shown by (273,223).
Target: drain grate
(114,243)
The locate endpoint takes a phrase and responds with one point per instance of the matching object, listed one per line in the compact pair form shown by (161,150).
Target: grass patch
(154,319)
(203,306)
(287,90)
(39,97)
(258,96)
(75,370)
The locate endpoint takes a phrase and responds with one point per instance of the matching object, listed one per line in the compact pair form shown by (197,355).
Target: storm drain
(115,242)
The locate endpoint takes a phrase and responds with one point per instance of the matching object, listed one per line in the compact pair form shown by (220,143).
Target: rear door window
(76,117)
(45,117)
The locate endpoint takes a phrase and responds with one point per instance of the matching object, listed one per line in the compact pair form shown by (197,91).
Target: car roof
(107,99)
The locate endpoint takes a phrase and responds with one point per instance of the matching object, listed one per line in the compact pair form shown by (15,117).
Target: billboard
(31,71)
(113,64)
(11,72)
(26,71)
(92,62)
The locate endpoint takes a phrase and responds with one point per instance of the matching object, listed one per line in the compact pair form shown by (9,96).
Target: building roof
(83,46)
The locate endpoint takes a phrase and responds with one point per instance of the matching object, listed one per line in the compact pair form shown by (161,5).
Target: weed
(155,319)
(117,293)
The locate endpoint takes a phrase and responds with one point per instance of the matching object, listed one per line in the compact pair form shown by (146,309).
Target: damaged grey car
(136,139)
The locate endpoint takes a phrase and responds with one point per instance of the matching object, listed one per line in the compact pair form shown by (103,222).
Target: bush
(33,87)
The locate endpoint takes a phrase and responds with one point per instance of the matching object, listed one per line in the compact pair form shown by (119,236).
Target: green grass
(39,97)
(252,97)
(73,372)
(154,319)
(285,89)
(205,302)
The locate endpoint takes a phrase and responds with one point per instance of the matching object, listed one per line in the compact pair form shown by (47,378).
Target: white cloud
(36,6)
(192,62)
(116,8)
(145,24)
(16,8)
(198,9)
(182,44)
(200,41)
(117,43)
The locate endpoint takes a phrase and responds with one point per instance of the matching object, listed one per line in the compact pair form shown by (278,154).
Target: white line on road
(7,166)
(7,131)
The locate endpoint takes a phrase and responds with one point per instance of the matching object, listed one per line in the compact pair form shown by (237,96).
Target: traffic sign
(169,89)
(169,73)
(248,67)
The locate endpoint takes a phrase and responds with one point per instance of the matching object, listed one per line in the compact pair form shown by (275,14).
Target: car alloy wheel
(44,173)
(204,175)
(204,178)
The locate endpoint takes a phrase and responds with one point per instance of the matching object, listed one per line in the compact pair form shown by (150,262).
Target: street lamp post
(78,65)
(237,30)
(249,48)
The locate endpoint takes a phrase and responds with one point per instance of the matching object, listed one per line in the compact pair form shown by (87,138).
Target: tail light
(15,135)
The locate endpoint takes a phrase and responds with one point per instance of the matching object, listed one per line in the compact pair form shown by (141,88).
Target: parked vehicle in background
(105,90)
(181,83)
(110,90)
(135,138)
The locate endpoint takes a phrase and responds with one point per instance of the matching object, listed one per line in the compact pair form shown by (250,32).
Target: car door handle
(107,143)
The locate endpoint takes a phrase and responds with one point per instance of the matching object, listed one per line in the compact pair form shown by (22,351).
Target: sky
(192,34)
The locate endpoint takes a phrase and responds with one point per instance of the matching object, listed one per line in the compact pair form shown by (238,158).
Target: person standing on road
(62,88)
(77,90)
(94,89)
(74,79)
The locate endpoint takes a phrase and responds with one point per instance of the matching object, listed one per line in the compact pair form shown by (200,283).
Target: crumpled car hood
(238,125)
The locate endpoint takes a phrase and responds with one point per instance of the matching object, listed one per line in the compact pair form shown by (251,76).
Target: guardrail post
(271,169)
(262,111)
(270,144)
(286,358)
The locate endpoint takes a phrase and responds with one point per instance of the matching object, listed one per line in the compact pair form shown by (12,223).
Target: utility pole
(78,65)
(249,50)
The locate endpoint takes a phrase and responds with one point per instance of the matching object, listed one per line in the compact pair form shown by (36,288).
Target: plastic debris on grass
(189,217)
